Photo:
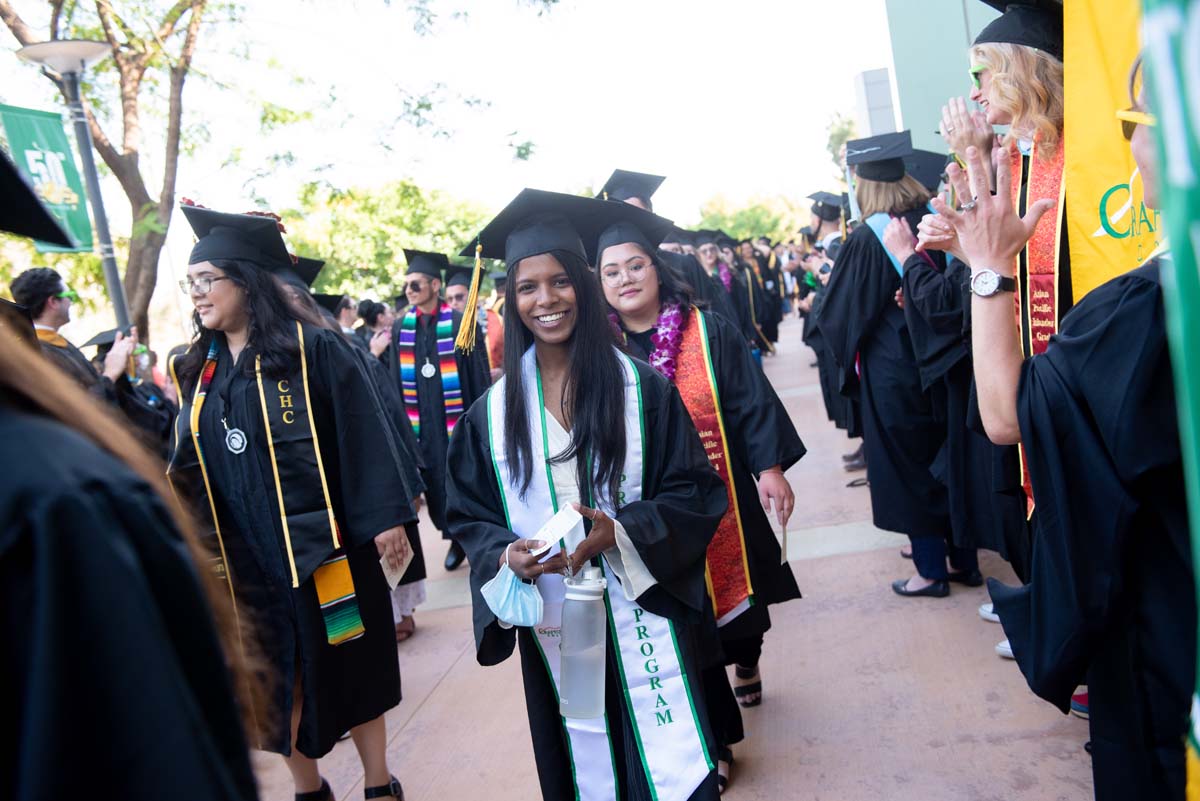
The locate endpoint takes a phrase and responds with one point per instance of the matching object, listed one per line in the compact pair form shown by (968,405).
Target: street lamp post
(69,58)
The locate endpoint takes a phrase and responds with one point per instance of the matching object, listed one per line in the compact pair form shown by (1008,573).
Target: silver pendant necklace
(427,369)
(235,438)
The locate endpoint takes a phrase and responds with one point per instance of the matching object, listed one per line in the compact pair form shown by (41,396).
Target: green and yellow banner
(1173,81)
(1109,228)
(42,153)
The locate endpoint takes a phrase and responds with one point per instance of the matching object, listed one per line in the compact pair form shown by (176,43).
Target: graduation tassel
(466,332)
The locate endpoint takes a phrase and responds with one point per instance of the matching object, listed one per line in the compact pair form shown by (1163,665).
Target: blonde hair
(890,197)
(1027,84)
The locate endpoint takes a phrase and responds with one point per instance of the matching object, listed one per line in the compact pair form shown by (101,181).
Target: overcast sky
(721,97)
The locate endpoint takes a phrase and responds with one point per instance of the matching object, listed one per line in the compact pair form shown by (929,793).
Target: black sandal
(740,692)
(724,754)
(324,794)
(390,790)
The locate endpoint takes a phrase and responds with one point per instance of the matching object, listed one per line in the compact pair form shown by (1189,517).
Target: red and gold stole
(727,571)
(1037,296)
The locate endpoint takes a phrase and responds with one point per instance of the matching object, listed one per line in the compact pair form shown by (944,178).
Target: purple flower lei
(667,338)
(726,275)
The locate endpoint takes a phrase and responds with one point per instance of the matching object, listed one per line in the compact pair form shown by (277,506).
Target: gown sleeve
(1087,447)
(368,472)
(475,520)
(683,500)
(112,661)
(934,311)
(862,282)
(759,426)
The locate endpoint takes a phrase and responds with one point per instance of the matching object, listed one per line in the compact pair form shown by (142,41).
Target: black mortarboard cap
(458,275)
(498,278)
(17,320)
(927,167)
(706,236)
(826,205)
(724,240)
(880,158)
(426,263)
(623,184)
(308,269)
(328,302)
(680,235)
(1030,24)
(102,340)
(537,221)
(245,237)
(22,211)
(641,228)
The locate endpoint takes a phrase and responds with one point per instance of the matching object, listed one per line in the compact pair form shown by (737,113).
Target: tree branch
(109,18)
(171,19)
(20,29)
(179,73)
(56,7)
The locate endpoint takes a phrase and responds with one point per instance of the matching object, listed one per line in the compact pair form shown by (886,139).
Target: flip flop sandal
(724,755)
(858,482)
(742,691)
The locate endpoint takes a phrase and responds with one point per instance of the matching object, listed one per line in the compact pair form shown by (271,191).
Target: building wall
(930,60)
(874,112)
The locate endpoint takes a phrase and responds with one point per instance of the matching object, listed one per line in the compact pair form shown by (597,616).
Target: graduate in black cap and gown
(873,349)
(126,676)
(437,382)
(637,189)
(575,422)
(491,323)
(727,280)
(747,435)
(285,453)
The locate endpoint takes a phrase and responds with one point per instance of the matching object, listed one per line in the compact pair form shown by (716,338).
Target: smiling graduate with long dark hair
(574,421)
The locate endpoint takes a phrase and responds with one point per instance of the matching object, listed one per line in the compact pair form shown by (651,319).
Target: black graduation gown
(149,415)
(1111,601)
(901,433)
(760,435)
(357,681)
(474,378)
(683,500)
(709,291)
(113,681)
(772,309)
(410,454)
(937,310)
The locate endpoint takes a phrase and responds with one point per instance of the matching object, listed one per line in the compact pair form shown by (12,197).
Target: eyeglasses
(1131,118)
(611,276)
(976,71)
(68,294)
(415,286)
(200,286)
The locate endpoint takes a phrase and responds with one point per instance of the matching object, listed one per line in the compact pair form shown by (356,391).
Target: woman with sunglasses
(284,452)
(747,434)
(574,422)
(1111,600)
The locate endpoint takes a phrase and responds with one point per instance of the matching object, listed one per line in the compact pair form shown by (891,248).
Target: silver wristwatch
(986,283)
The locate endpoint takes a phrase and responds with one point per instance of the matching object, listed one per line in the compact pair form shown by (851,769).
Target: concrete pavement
(867,695)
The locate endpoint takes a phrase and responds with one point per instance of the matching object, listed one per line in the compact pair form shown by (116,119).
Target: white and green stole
(655,683)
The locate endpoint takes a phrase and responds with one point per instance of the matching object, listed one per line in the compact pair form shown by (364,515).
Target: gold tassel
(466,331)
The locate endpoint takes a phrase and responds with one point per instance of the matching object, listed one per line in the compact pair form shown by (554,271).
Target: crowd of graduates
(232,534)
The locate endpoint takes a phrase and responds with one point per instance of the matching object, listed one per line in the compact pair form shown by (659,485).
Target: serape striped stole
(447,367)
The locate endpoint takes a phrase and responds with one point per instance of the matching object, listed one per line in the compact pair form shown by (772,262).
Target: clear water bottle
(584,631)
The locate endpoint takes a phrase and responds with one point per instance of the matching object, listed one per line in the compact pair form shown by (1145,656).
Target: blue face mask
(512,601)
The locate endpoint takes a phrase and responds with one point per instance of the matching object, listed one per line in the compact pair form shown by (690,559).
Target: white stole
(655,685)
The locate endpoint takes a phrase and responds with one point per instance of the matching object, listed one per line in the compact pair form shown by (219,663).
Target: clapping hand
(116,362)
(898,240)
(990,232)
